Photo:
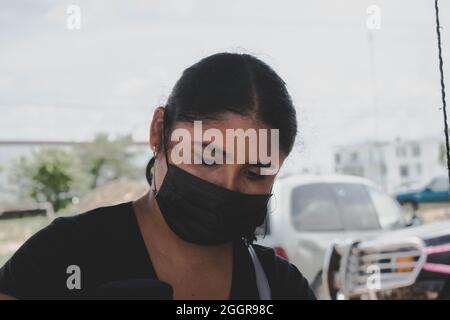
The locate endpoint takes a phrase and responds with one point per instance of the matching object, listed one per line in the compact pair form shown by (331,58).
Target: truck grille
(371,268)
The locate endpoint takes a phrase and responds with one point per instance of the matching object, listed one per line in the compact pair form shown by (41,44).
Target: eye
(209,162)
(254,174)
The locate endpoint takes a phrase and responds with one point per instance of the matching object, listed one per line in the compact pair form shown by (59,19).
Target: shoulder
(99,216)
(42,261)
(286,281)
(38,261)
(82,232)
(83,225)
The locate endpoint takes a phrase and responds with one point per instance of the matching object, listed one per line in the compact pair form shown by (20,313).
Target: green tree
(107,159)
(57,175)
(47,175)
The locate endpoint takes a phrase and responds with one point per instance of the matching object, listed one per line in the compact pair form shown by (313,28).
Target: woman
(194,229)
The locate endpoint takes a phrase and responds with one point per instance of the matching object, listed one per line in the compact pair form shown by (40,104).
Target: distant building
(395,165)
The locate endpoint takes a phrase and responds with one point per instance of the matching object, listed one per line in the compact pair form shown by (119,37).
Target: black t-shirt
(105,245)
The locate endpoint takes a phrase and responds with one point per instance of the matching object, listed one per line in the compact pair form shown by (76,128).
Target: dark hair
(231,82)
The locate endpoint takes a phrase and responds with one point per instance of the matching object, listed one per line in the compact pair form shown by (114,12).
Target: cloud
(110,74)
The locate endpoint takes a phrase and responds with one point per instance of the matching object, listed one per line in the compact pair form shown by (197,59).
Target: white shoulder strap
(261,278)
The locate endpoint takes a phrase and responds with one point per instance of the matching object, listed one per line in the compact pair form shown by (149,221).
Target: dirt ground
(434,213)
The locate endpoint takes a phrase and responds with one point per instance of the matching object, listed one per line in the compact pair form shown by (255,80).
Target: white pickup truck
(310,214)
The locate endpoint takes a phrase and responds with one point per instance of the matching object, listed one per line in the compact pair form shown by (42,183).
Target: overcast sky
(108,76)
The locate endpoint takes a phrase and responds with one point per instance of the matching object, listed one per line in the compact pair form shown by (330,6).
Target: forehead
(237,128)
(226,121)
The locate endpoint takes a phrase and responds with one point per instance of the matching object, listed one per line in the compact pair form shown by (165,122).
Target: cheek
(263,186)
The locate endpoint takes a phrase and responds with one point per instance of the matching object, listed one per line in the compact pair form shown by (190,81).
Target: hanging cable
(441,70)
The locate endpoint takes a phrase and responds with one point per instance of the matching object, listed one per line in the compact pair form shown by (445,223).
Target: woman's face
(243,171)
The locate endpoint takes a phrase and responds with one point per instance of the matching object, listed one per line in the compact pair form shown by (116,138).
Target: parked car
(435,192)
(412,263)
(309,212)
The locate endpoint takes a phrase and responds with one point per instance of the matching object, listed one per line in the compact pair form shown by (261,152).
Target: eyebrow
(208,143)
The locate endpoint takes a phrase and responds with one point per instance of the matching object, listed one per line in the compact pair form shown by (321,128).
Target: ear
(156,129)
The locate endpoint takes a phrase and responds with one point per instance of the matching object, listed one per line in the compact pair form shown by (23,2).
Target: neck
(166,244)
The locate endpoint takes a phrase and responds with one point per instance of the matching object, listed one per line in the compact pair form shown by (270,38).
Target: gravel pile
(111,193)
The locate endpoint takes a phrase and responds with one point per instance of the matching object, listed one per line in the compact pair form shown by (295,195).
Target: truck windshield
(333,206)
(349,206)
(355,204)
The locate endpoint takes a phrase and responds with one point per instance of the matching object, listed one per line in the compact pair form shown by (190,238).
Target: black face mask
(204,213)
